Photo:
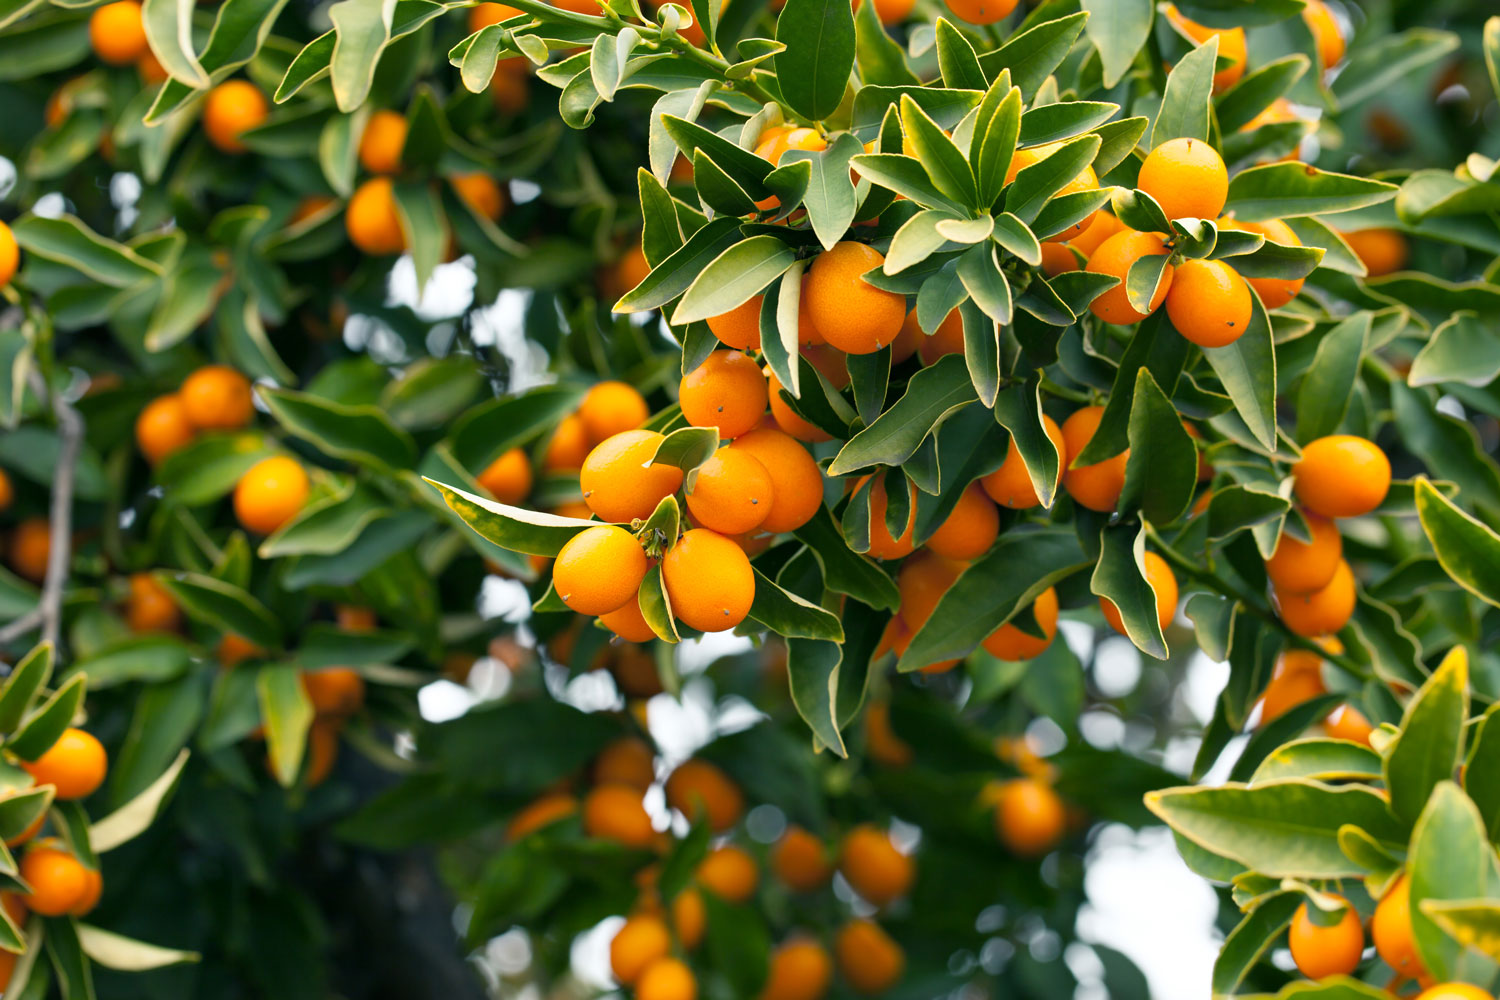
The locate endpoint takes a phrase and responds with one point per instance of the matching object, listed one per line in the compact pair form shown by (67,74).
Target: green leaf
(362,433)
(423,223)
(1473,923)
(18,810)
(1492,52)
(733,276)
(223,606)
(1372,68)
(149,658)
(324,527)
(656,606)
(1468,549)
(813,669)
(114,951)
(786,614)
(530,531)
(1187,103)
(207,469)
(1036,184)
(74,974)
(1277,190)
(881,60)
(1239,507)
(29,676)
(1033,54)
(68,241)
(1018,408)
(932,395)
(1247,369)
(1428,747)
(1321,760)
(487,431)
(939,155)
(1283,829)
(42,727)
(979,271)
(814,68)
(1118,29)
(287,714)
(903,175)
(1120,138)
(844,570)
(1461,350)
(744,167)
(995,138)
(1328,386)
(1162,471)
(1256,91)
(1481,775)
(136,816)
(1055,122)
(1120,577)
(830,200)
(1251,938)
(1450,858)
(1155,346)
(362,28)
(957,61)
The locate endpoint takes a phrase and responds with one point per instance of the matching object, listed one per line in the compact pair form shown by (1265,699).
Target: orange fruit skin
(1390,928)
(867,957)
(1010,643)
(796,480)
(485,14)
(1096,486)
(698,787)
(31,831)
(217,398)
(353,618)
(800,860)
(891,11)
(1296,679)
(729,873)
(1208,303)
(94,888)
(1454,991)
(568,446)
(667,979)
(787,419)
(709,581)
(10,254)
(689,917)
(322,751)
(1323,612)
(1231,47)
(1325,31)
(7,492)
(508,478)
(1029,816)
(1163,582)
(234,650)
(163,427)
(1011,486)
(599,569)
(726,391)
(1383,251)
(30,548)
(1301,568)
(14,904)
(371,219)
(981,11)
(1084,180)
(881,741)
(334,691)
(58,881)
(873,866)
(801,969)
(75,765)
(610,408)
(1342,476)
(1347,723)
(616,484)
(882,545)
(117,33)
(775,143)
(150,608)
(1102,226)
(1114,257)
(947,339)
(380,143)
(480,191)
(540,813)
(626,761)
(971,528)
(642,940)
(1187,177)
(1326,951)
(231,109)
(1274,292)
(922,582)
(1057,259)
(739,328)
(615,812)
(627,622)
(732,493)
(270,494)
(635,673)
(855,317)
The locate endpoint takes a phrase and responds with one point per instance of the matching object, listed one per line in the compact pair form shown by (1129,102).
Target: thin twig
(60,550)
(15,629)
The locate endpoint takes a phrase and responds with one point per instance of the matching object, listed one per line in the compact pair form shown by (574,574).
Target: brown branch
(60,549)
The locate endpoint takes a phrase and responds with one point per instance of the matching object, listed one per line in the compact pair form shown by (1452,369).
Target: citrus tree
(894,339)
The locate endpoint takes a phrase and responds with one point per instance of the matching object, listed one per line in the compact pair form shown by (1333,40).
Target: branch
(60,550)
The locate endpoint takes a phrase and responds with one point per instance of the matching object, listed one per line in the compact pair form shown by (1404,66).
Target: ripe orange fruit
(709,581)
(1163,582)
(334,691)
(732,493)
(322,751)
(628,622)
(75,765)
(1096,486)
(642,940)
(801,860)
(568,446)
(800,970)
(853,316)
(480,191)
(372,221)
(230,110)
(234,650)
(1008,642)
(632,267)
(310,206)
(1347,723)
(1084,180)
(1296,679)
(667,979)
(381,142)
(948,338)
(626,761)
(1208,303)
(540,813)
(10,255)
(922,582)
(30,547)
(1303,567)
(868,959)
(981,11)
(615,812)
(509,90)
(1029,817)
(729,873)
(1325,31)
(1010,485)
(970,530)
(1391,930)
(616,483)
(270,494)
(7,492)
(739,328)
(217,398)
(163,427)
(486,14)
(1454,991)
(873,866)
(354,618)
(1187,178)
(609,408)
(1058,258)
(58,881)
(1114,257)
(150,608)
(1274,292)
(508,478)
(634,671)
(688,918)
(117,33)
(94,888)
(776,142)
(726,391)
(1102,227)
(599,569)
(796,481)
(882,545)
(787,419)
(1231,46)
(891,11)
(1383,251)
(1323,612)
(1321,951)
(1342,476)
(700,788)
(881,741)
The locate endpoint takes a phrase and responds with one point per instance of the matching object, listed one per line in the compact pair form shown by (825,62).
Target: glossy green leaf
(1187,104)
(287,714)
(362,434)
(1162,470)
(1118,29)
(1468,549)
(1277,190)
(1033,54)
(223,607)
(514,528)
(814,68)
(31,674)
(732,277)
(39,730)
(1374,67)
(1451,858)
(788,615)
(1431,740)
(1120,577)
(933,394)
(1329,383)
(1247,368)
